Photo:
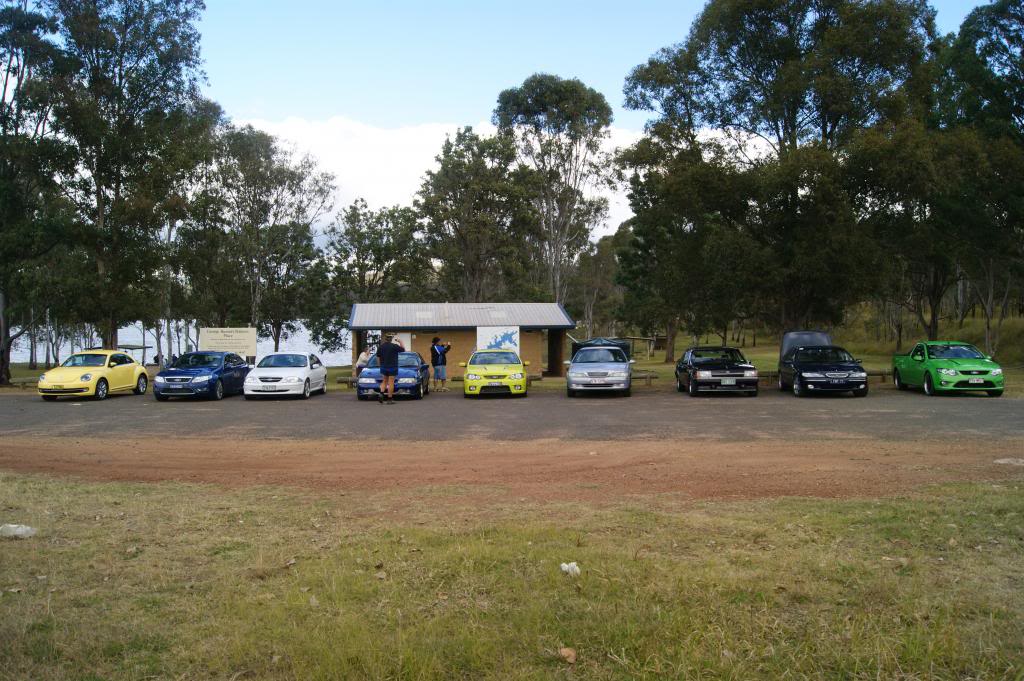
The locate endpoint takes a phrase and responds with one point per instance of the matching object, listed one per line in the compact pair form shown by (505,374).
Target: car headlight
(406,381)
(42,377)
(996,372)
(947,372)
(703,374)
(811,374)
(291,379)
(576,374)
(368,381)
(159,379)
(516,376)
(201,379)
(750,373)
(85,378)
(472,377)
(858,374)
(251,379)
(616,374)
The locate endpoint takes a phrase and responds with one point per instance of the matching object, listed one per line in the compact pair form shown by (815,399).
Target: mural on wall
(497,338)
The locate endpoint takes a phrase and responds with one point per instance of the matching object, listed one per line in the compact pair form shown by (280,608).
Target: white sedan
(287,373)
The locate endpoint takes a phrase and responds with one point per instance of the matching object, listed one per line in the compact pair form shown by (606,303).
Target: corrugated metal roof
(458,315)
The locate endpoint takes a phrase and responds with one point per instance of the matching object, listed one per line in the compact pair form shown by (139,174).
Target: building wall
(464,343)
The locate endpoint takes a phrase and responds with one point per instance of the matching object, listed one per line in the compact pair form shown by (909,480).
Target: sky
(372,88)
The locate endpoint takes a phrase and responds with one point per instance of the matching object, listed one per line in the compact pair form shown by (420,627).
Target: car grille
(837,374)
(597,374)
(977,372)
(727,374)
(270,379)
(62,391)
(495,389)
(495,377)
(178,379)
(968,384)
(178,390)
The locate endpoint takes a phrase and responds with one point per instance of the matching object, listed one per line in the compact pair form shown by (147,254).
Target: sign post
(241,341)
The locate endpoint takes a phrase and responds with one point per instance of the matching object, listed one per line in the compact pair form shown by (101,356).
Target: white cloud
(385,166)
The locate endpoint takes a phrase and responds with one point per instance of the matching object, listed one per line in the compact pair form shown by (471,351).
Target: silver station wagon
(598,369)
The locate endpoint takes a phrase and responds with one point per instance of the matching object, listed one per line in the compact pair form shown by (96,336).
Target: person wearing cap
(439,362)
(387,355)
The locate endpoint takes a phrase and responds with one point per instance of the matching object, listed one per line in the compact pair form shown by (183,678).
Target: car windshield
(85,361)
(955,352)
(198,360)
(717,355)
(282,361)
(405,359)
(480,358)
(823,355)
(596,355)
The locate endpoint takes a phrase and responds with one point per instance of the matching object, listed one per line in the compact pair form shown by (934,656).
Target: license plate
(267,388)
(977,380)
(495,383)
(728,381)
(836,380)
(57,387)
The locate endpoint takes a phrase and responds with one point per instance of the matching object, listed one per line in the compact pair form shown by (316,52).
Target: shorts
(389,371)
(440,372)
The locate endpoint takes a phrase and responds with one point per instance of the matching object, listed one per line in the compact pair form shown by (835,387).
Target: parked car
(715,369)
(93,373)
(494,372)
(599,369)
(947,367)
(808,369)
(413,377)
(202,374)
(287,373)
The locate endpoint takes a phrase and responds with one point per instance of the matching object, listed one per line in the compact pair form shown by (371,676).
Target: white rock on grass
(17,531)
(571,569)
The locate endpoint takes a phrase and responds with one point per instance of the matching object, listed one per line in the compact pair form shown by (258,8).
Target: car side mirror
(566,362)
(526,364)
(859,361)
(632,361)
(462,364)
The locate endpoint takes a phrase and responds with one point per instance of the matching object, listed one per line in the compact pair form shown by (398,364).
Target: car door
(318,372)
(787,370)
(916,366)
(122,372)
(233,369)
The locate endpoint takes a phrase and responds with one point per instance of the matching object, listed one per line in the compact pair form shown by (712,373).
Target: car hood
(830,366)
(599,366)
(966,364)
(723,366)
(68,374)
(197,371)
(403,372)
(282,372)
(494,369)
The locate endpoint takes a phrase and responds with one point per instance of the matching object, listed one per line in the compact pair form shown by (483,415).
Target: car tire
(570,393)
(160,398)
(141,385)
(751,393)
(248,397)
(898,380)
(860,393)
(305,390)
(929,386)
(49,398)
(994,393)
(782,386)
(692,388)
(627,392)
(218,391)
(102,389)
(679,385)
(798,390)
(419,392)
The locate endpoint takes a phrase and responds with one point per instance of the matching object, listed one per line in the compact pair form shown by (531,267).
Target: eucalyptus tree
(559,126)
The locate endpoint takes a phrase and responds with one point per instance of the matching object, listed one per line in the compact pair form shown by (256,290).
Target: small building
(535,330)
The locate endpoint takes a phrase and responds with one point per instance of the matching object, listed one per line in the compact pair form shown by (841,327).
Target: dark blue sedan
(202,374)
(413,377)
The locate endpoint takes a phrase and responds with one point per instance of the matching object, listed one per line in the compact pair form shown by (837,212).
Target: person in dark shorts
(439,362)
(387,355)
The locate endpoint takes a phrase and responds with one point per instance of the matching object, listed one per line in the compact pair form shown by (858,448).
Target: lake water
(131,335)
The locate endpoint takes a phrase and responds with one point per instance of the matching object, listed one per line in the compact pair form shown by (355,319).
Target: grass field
(133,581)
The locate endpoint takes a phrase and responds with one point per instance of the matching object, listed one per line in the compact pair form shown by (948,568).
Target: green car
(947,367)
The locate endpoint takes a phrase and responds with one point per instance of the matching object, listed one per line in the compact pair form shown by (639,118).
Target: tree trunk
(33,362)
(671,329)
(5,342)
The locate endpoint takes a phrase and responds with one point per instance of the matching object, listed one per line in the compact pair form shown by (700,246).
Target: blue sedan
(202,374)
(413,377)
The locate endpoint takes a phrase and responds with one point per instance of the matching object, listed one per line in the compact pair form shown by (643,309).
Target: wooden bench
(645,375)
(347,381)
(23,383)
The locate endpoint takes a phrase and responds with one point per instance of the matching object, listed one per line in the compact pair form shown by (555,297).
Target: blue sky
(404,62)
(372,88)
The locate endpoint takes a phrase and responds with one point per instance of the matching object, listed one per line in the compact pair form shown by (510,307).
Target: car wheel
(679,385)
(570,393)
(141,385)
(49,398)
(160,398)
(898,380)
(752,393)
(929,386)
(860,393)
(994,393)
(248,396)
(692,388)
(305,390)
(419,392)
(798,389)
(218,391)
(627,392)
(782,386)
(102,389)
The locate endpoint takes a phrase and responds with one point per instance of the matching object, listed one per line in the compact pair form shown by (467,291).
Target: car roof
(812,347)
(711,347)
(941,342)
(496,350)
(599,347)
(209,352)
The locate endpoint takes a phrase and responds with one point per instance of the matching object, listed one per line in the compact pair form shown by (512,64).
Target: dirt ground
(538,470)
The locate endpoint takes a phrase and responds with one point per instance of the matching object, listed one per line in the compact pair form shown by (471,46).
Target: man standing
(387,355)
(439,362)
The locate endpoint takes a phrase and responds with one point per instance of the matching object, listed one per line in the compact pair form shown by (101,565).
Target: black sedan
(821,369)
(715,369)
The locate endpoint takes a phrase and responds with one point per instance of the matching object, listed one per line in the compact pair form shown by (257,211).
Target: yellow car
(94,373)
(494,372)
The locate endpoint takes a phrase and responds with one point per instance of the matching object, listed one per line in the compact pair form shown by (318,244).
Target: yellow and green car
(94,373)
(947,367)
(494,372)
